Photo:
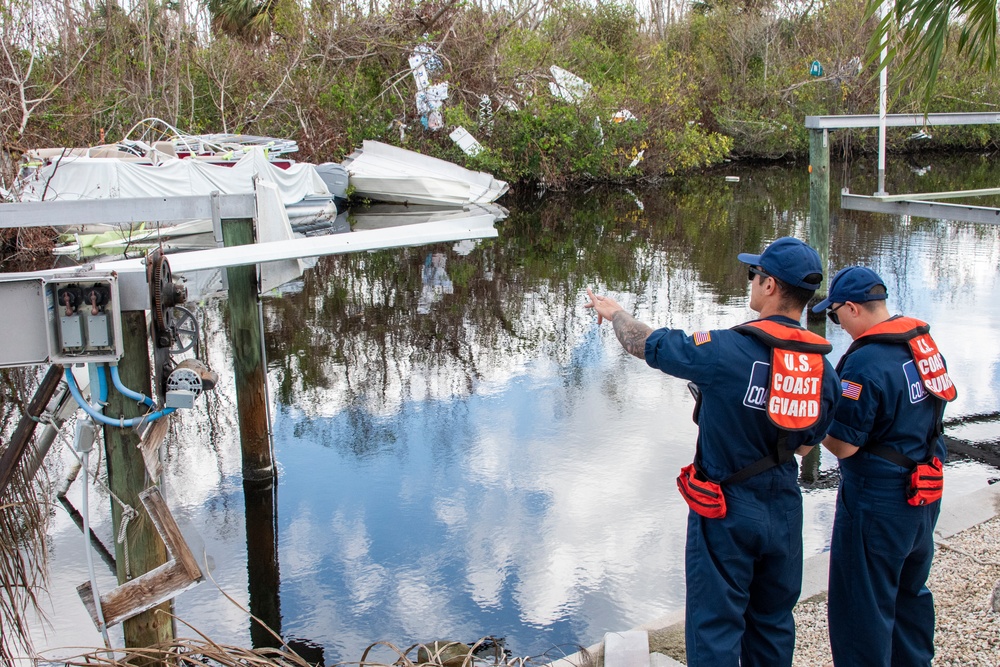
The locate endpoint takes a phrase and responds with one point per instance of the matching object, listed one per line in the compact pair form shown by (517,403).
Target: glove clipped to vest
(794,397)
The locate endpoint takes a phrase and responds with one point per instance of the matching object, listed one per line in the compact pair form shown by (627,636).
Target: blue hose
(102,385)
(125,391)
(97,416)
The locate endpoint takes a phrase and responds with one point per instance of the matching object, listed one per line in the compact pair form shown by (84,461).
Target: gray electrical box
(59,318)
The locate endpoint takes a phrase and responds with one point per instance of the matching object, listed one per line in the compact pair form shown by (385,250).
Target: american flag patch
(851,390)
(702,337)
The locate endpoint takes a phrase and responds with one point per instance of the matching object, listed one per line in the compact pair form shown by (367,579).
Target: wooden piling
(809,469)
(248,357)
(127,479)
(262,563)
(819,206)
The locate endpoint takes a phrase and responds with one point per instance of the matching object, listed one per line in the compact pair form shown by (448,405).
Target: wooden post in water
(248,357)
(819,206)
(819,238)
(809,470)
(127,479)
(262,563)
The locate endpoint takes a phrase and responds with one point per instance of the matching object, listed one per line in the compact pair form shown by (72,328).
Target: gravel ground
(964,578)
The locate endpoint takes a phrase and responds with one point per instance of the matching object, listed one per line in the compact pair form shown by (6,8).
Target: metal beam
(901,120)
(134,292)
(922,209)
(951,194)
(124,211)
(474,227)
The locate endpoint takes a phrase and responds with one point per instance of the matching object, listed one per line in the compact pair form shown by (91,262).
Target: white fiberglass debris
(568,86)
(466,141)
(600,130)
(420,75)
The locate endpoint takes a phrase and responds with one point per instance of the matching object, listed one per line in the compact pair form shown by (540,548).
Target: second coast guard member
(887,434)
(766,392)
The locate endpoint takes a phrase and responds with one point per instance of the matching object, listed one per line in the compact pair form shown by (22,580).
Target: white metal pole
(85,434)
(882,102)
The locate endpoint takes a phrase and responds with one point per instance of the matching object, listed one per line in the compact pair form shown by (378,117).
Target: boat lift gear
(164,295)
(185,331)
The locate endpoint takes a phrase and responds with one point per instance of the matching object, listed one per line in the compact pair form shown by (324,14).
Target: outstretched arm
(631,333)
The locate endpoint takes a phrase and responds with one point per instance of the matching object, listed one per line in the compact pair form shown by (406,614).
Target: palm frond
(918,33)
(23,518)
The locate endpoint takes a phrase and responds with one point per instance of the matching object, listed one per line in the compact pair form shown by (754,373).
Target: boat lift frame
(920,204)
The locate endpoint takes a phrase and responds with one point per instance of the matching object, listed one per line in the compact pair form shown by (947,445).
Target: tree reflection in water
(462,452)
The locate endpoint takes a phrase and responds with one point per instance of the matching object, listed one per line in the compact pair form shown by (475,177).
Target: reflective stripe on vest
(795,386)
(915,334)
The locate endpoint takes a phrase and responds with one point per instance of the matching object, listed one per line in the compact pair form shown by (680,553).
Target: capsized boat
(385,173)
(67,175)
(382,216)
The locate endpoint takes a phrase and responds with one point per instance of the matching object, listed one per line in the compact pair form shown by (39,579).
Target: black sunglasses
(832,313)
(754,271)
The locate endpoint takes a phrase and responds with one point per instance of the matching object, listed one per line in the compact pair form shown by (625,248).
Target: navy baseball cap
(852,284)
(789,260)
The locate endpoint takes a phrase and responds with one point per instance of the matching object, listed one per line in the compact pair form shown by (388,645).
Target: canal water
(463,452)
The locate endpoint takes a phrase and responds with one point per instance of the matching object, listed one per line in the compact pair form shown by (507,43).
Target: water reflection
(464,453)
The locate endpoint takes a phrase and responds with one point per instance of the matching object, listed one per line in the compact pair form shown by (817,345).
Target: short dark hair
(872,305)
(794,297)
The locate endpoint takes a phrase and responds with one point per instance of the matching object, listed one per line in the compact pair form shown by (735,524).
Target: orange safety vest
(926,357)
(925,483)
(795,385)
(795,392)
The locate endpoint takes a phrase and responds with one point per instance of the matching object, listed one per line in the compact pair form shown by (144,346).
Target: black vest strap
(889,454)
(780,456)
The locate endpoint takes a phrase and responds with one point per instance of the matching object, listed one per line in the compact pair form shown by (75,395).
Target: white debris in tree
(466,141)
(568,86)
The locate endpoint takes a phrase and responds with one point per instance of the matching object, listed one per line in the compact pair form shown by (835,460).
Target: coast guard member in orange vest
(887,435)
(766,392)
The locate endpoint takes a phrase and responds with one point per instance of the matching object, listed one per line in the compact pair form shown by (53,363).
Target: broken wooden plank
(149,445)
(175,576)
(138,595)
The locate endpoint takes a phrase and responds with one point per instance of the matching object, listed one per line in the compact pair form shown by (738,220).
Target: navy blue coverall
(743,572)
(880,610)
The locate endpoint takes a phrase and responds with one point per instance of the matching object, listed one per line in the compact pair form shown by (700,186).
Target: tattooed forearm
(632,333)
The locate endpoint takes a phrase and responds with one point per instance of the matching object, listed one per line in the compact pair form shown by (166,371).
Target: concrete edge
(967,511)
(956,516)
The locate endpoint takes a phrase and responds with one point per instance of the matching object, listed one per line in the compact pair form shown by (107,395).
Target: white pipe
(882,102)
(87,548)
